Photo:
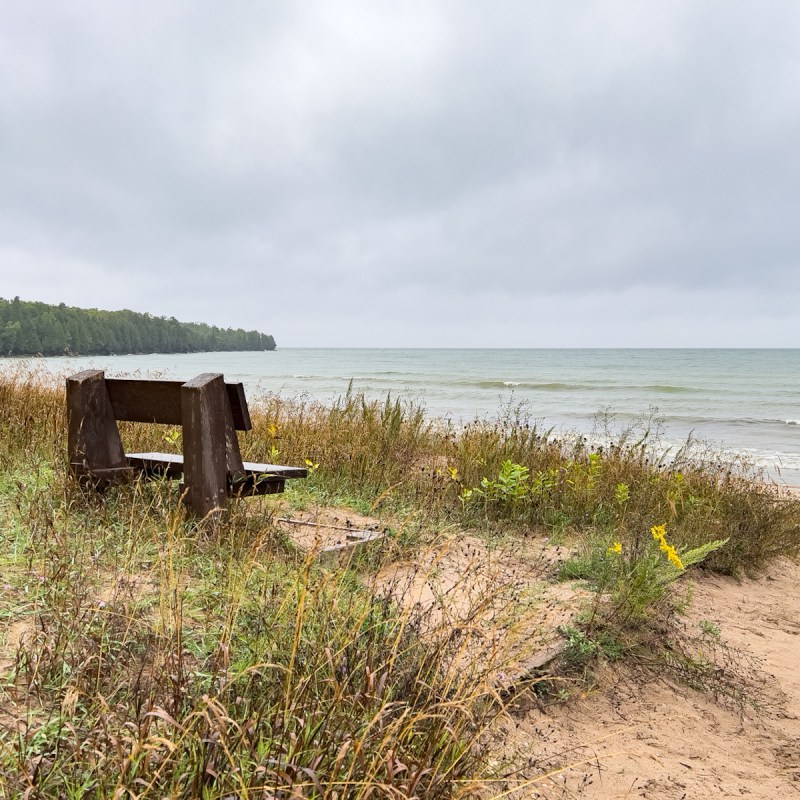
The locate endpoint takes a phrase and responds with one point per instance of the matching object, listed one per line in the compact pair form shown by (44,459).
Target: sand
(641,734)
(640,731)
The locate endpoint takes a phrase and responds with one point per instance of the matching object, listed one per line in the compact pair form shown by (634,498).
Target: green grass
(150,658)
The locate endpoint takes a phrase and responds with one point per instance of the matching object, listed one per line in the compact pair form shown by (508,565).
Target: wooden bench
(210,412)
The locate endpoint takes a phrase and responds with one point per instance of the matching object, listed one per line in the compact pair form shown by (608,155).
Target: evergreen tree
(32,328)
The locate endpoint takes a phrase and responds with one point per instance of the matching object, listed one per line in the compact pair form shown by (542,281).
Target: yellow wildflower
(659,534)
(658,531)
(674,558)
(615,548)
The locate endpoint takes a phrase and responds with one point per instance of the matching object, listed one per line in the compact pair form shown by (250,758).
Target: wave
(763,421)
(771,459)
(588,386)
(394,379)
(666,389)
(497,384)
(700,420)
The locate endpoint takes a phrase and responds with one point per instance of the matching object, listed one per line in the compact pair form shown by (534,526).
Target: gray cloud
(380,173)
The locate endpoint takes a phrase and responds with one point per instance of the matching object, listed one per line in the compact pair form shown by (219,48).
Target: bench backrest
(135,400)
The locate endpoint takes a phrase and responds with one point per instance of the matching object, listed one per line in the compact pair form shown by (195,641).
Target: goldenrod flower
(674,558)
(659,534)
(615,548)
(658,531)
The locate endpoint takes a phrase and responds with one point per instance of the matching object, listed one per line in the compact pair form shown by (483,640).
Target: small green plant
(583,646)
(508,488)
(630,579)
(172,436)
(709,628)
(622,494)
(544,482)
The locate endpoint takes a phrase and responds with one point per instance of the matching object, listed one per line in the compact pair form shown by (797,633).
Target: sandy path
(644,737)
(640,734)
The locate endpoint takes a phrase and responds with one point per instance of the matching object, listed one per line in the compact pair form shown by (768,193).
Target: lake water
(745,401)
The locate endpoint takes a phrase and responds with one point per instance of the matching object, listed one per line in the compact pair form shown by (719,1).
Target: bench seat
(257,478)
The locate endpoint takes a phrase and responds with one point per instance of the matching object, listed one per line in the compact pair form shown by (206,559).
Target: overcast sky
(374,173)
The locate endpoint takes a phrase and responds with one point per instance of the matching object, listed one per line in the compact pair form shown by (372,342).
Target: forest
(30,328)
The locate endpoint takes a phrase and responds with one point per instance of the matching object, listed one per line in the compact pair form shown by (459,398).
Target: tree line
(28,328)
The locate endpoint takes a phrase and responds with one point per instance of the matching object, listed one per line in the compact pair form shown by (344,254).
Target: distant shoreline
(65,356)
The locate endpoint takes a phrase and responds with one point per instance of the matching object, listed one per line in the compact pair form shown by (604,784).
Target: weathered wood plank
(275,469)
(135,400)
(169,462)
(233,458)
(239,409)
(165,464)
(203,401)
(257,484)
(146,401)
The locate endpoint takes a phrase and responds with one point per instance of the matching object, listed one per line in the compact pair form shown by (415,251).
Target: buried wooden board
(333,537)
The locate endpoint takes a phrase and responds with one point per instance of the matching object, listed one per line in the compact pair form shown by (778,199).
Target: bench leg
(203,406)
(96,457)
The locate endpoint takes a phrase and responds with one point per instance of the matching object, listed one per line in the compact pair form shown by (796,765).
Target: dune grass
(153,659)
(144,657)
(389,453)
